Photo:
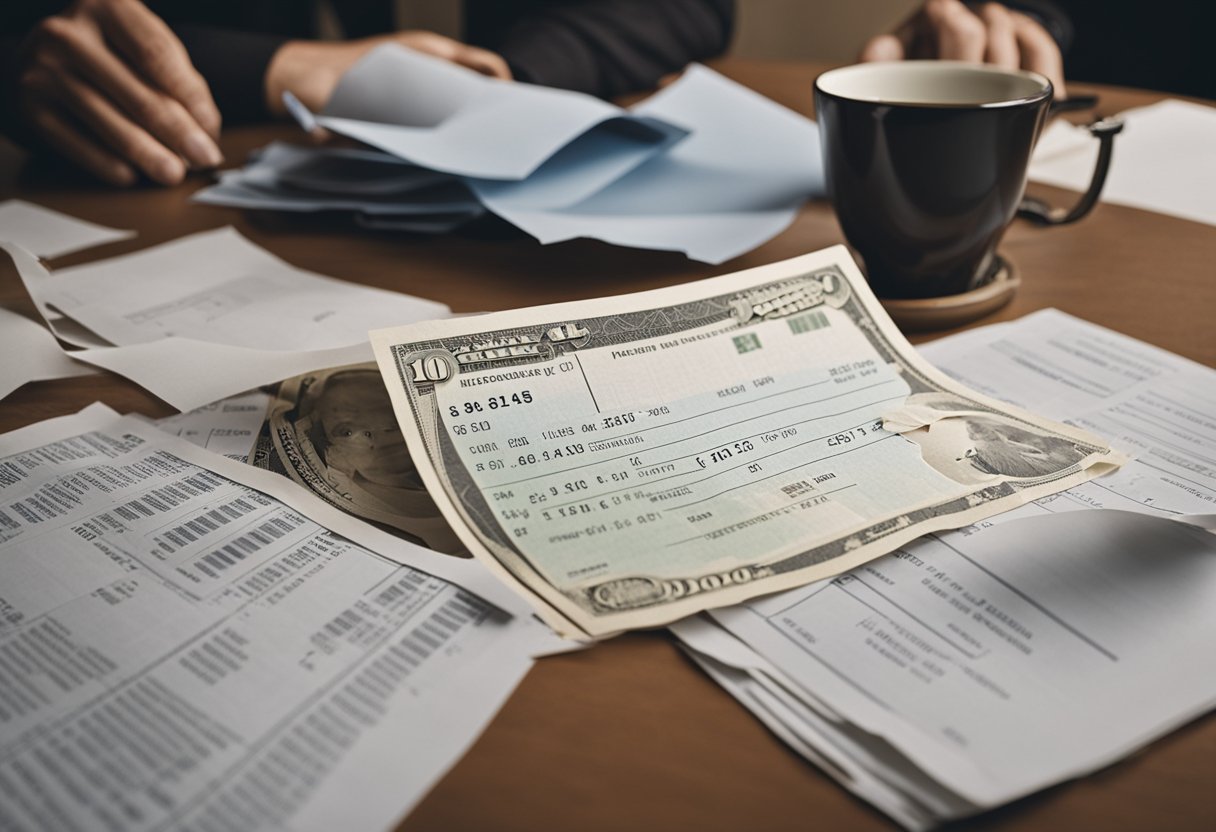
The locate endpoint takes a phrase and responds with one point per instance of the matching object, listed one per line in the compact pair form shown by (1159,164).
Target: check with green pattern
(627,461)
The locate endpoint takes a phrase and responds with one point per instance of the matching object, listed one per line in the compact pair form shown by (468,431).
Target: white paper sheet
(210,315)
(29,352)
(790,722)
(736,181)
(189,374)
(1162,161)
(216,286)
(1013,657)
(860,762)
(188,630)
(228,427)
(1008,656)
(50,233)
(452,119)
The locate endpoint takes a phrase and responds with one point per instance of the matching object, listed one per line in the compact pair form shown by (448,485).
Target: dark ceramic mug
(926,165)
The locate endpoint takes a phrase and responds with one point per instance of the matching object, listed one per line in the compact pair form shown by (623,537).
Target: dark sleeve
(234,65)
(1048,15)
(604,48)
(10,121)
(17,20)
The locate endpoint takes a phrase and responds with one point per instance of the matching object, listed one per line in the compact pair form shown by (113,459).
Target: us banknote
(333,432)
(628,461)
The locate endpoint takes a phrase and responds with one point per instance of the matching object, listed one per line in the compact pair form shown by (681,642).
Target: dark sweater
(601,47)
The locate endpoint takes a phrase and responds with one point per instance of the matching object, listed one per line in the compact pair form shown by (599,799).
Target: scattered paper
(1007,659)
(188,625)
(1162,160)
(379,187)
(210,315)
(218,287)
(448,118)
(972,667)
(732,176)
(228,427)
(1150,403)
(189,374)
(50,233)
(735,182)
(28,352)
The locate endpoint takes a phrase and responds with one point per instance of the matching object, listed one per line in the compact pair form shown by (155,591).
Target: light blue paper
(705,167)
(735,182)
(448,118)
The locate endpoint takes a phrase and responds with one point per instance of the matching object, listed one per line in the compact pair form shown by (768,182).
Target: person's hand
(983,33)
(310,70)
(108,85)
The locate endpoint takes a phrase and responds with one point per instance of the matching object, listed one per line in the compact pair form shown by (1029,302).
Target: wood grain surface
(630,735)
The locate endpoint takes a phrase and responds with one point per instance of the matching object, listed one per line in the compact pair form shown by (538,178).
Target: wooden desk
(630,735)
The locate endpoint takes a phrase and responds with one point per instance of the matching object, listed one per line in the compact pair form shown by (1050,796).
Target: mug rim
(1045,91)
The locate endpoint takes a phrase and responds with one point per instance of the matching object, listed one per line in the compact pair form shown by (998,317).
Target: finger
(483,61)
(319,135)
(893,46)
(74,145)
(430,43)
(164,117)
(152,48)
(882,48)
(669,79)
(119,133)
(1002,45)
(1039,52)
(961,36)
(475,58)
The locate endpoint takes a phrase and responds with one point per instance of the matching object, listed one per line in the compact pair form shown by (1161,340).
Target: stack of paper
(179,626)
(382,190)
(970,668)
(705,167)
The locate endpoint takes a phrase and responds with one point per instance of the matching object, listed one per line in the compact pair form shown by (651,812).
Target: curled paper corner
(974,446)
(23,257)
(912,417)
(1101,469)
(1199,521)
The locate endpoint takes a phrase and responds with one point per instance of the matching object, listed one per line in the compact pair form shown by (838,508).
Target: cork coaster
(927,314)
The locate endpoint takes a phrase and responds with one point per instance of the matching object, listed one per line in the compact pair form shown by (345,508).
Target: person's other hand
(108,85)
(984,33)
(310,70)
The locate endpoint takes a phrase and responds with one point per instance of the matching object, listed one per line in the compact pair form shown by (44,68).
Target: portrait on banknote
(333,432)
(976,446)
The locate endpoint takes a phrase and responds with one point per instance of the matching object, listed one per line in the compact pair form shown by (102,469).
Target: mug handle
(1039,212)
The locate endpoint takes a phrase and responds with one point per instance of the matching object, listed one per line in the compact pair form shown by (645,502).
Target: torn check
(627,461)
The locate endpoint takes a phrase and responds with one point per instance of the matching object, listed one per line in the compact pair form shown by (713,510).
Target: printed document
(979,665)
(210,315)
(1162,160)
(186,641)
